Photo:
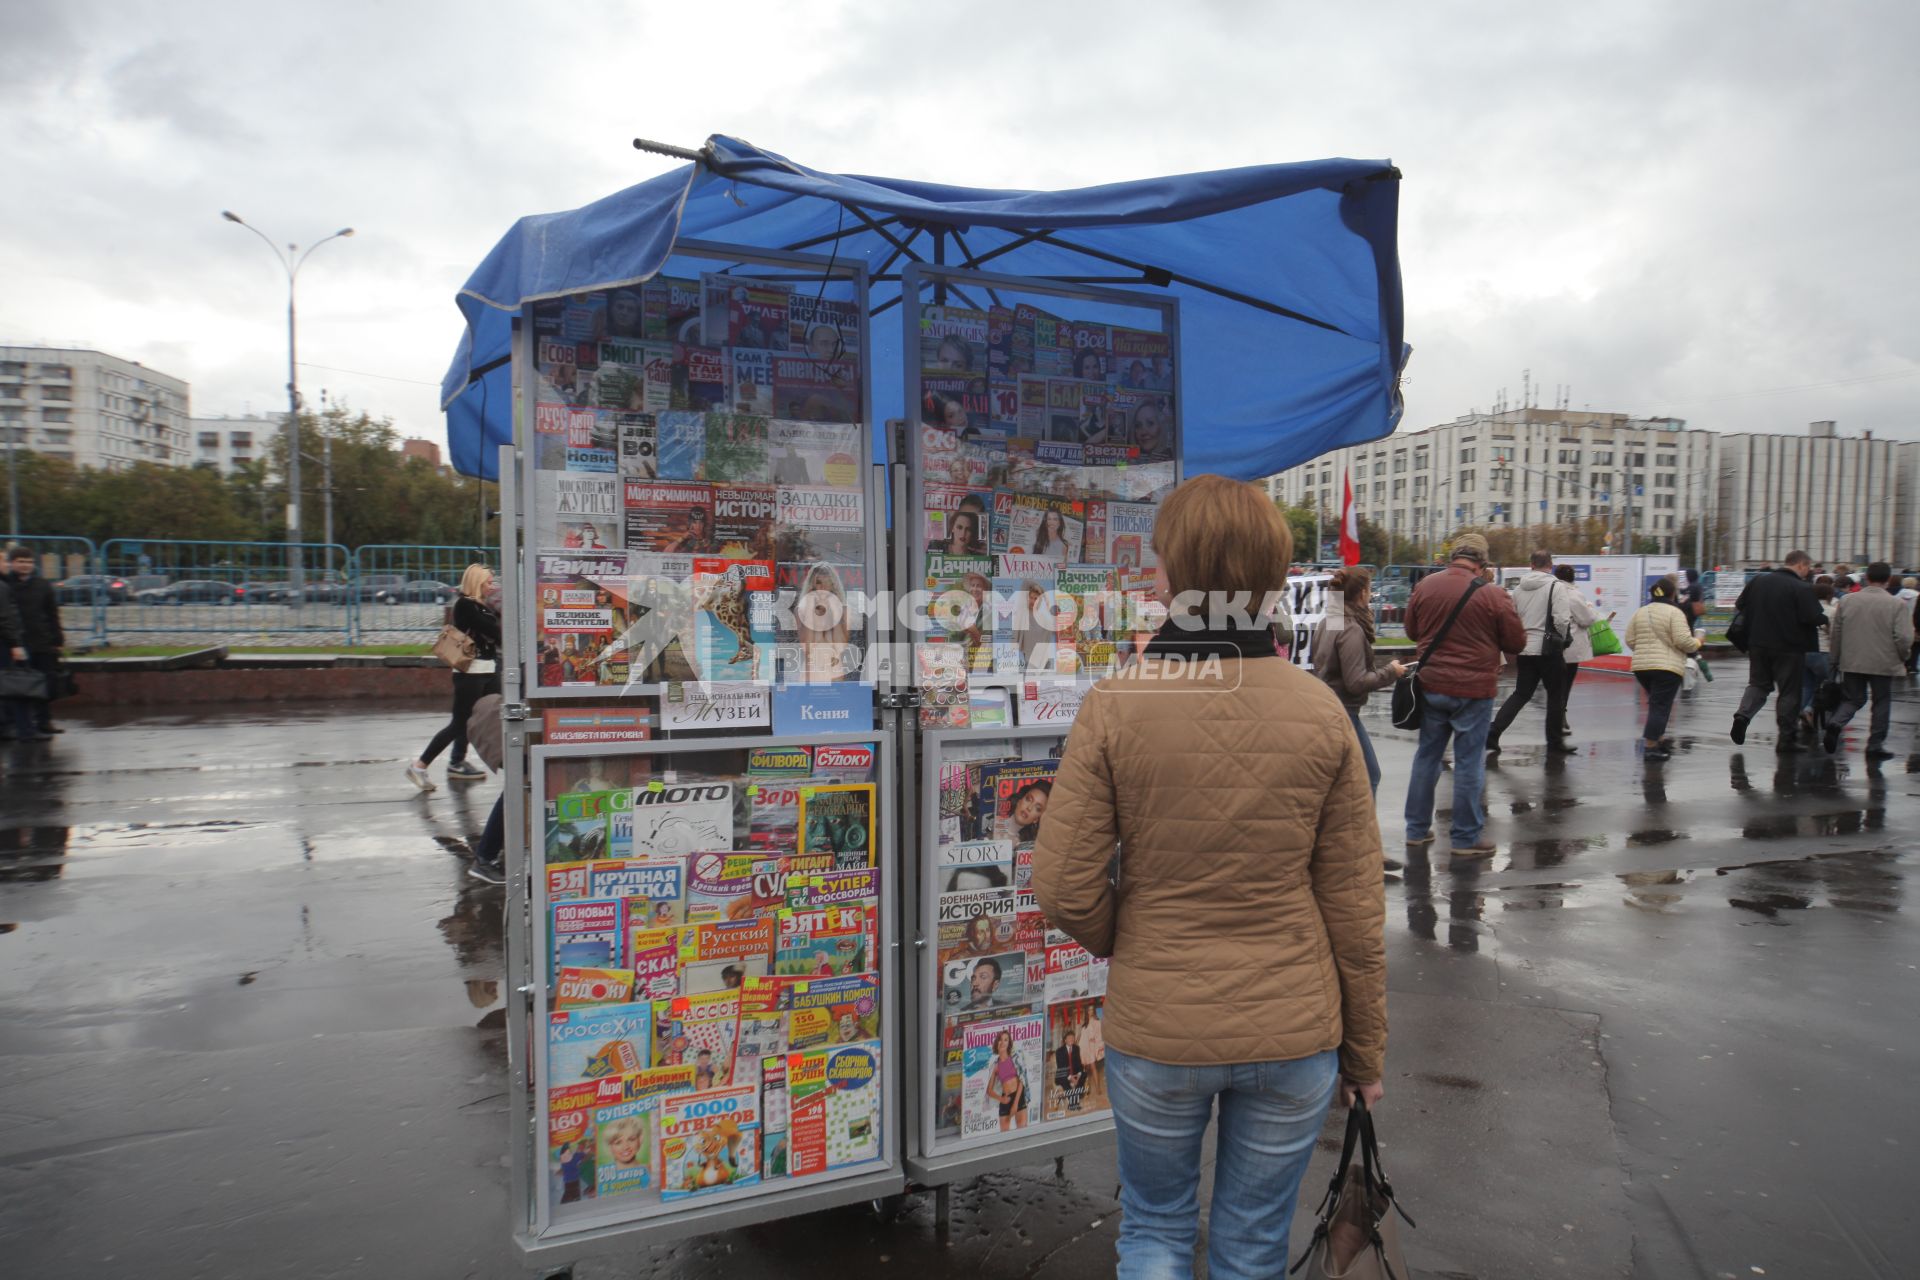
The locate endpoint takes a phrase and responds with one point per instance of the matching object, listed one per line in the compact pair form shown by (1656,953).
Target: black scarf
(1212,642)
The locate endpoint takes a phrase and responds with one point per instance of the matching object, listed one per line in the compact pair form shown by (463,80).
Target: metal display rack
(540,1231)
(934,1159)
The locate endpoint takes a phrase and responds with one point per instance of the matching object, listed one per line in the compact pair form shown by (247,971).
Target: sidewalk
(251,1023)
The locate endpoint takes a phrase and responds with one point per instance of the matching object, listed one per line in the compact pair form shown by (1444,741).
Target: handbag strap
(1440,636)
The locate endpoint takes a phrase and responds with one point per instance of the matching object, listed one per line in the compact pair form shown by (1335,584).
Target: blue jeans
(1366,750)
(1465,720)
(1270,1116)
(1817,668)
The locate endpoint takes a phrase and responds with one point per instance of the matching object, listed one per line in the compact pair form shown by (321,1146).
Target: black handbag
(1828,697)
(1739,631)
(64,684)
(22,682)
(1553,644)
(1409,707)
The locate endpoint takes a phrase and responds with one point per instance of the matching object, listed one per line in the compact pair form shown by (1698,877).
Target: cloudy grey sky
(1698,209)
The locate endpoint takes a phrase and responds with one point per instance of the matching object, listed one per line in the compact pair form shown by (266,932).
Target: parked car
(419,591)
(323,591)
(192,591)
(265,593)
(370,586)
(86,587)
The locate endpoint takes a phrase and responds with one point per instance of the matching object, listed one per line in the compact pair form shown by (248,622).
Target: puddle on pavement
(136,834)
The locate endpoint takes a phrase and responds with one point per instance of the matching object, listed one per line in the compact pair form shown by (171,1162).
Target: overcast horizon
(1685,211)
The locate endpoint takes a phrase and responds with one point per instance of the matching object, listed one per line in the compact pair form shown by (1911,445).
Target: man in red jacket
(1458,678)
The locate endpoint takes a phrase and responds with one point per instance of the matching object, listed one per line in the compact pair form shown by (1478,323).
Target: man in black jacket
(1783,621)
(40,631)
(16,714)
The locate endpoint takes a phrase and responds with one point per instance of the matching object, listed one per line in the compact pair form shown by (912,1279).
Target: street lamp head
(230,215)
(344,231)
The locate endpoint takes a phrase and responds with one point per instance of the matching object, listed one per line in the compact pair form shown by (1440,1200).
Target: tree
(1300,521)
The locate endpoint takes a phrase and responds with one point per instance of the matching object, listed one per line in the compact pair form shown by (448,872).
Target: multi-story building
(1531,466)
(227,443)
(1836,498)
(425,450)
(94,409)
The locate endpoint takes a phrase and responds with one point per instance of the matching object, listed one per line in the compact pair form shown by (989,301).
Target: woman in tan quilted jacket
(1212,831)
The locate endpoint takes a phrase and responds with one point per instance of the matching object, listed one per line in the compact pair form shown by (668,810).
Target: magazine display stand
(1044,421)
(702,880)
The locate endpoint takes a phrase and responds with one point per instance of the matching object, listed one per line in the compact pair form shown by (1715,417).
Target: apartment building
(1519,467)
(228,443)
(1838,498)
(91,408)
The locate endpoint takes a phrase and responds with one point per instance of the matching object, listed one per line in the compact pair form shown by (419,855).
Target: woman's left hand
(1367,1093)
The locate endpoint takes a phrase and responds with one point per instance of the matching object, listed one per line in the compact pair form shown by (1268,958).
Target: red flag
(1349,526)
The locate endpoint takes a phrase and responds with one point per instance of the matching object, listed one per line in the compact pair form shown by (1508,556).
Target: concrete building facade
(226,443)
(94,409)
(1516,468)
(1837,498)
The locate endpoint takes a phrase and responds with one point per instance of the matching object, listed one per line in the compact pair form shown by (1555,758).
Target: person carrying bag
(1409,707)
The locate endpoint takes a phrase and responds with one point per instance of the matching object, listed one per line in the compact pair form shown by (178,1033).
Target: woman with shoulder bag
(1210,831)
(1343,654)
(1582,616)
(473,618)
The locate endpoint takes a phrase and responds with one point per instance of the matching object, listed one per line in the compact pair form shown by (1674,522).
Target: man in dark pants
(1783,618)
(16,714)
(1872,635)
(40,629)
(1544,604)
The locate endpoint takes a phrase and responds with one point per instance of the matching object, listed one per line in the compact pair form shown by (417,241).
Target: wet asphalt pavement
(251,1022)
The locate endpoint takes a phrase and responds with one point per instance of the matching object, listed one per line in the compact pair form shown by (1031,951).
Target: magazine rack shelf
(638,759)
(1044,421)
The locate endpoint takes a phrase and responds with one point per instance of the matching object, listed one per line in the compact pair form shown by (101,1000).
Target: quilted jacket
(1244,912)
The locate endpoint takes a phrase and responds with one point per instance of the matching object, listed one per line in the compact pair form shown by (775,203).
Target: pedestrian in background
(1343,654)
(479,621)
(13,653)
(1545,605)
(1458,679)
(1817,666)
(1231,779)
(40,631)
(1660,634)
(1783,626)
(1910,593)
(1579,648)
(487,734)
(1872,634)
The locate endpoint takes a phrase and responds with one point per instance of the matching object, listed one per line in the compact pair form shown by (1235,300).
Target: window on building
(1637,459)
(1399,490)
(243,439)
(1419,488)
(56,393)
(1467,456)
(1603,458)
(209,440)
(1399,462)
(57,372)
(1419,459)
(1465,482)
(56,415)
(1379,491)
(13,369)
(1666,482)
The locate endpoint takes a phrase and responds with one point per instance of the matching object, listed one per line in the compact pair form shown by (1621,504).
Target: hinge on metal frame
(900,700)
(516,711)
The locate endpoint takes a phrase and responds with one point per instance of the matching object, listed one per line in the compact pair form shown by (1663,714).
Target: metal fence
(167,592)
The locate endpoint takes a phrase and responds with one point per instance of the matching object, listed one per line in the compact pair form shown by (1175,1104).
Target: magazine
(580,612)
(638,436)
(606,1040)
(577,988)
(975,864)
(957,520)
(565,879)
(957,402)
(838,819)
(571,1138)
(1000,346)
(1091,344)
(622,383)
(701,1035)
(700,381)
(773,1116)
(953,340)
(1072,971)
(812,454)
(1000,1068)
(1077,411)
(766,1004)
(743,520)
(720,956)
(681,818)
(709,1140)
(656,965)
(1141,361)
(1047,526)
(654,889)
(720,886)
(736,449)
(1012,798)
(974,923)
(837,1010)
(950,1077)
(1069,1072)
(670,310)
(984,982)
(1130,534)
(834,1107)
(813,390)
(835,941)
(824,328)
(1052,342)
(940,673)
(623,1133)
(817,523)
(733,630)
(584,933)
(681,453)
(738,312)
(576,512)
(668,516)
(751,374)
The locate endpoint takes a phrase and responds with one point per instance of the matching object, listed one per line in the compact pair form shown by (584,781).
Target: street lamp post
(291,264)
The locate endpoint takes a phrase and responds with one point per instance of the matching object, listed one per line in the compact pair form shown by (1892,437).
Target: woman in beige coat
(1661,636)
(1211,830)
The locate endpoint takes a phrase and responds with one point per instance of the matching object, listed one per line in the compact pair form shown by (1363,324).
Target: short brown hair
(1215,534)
